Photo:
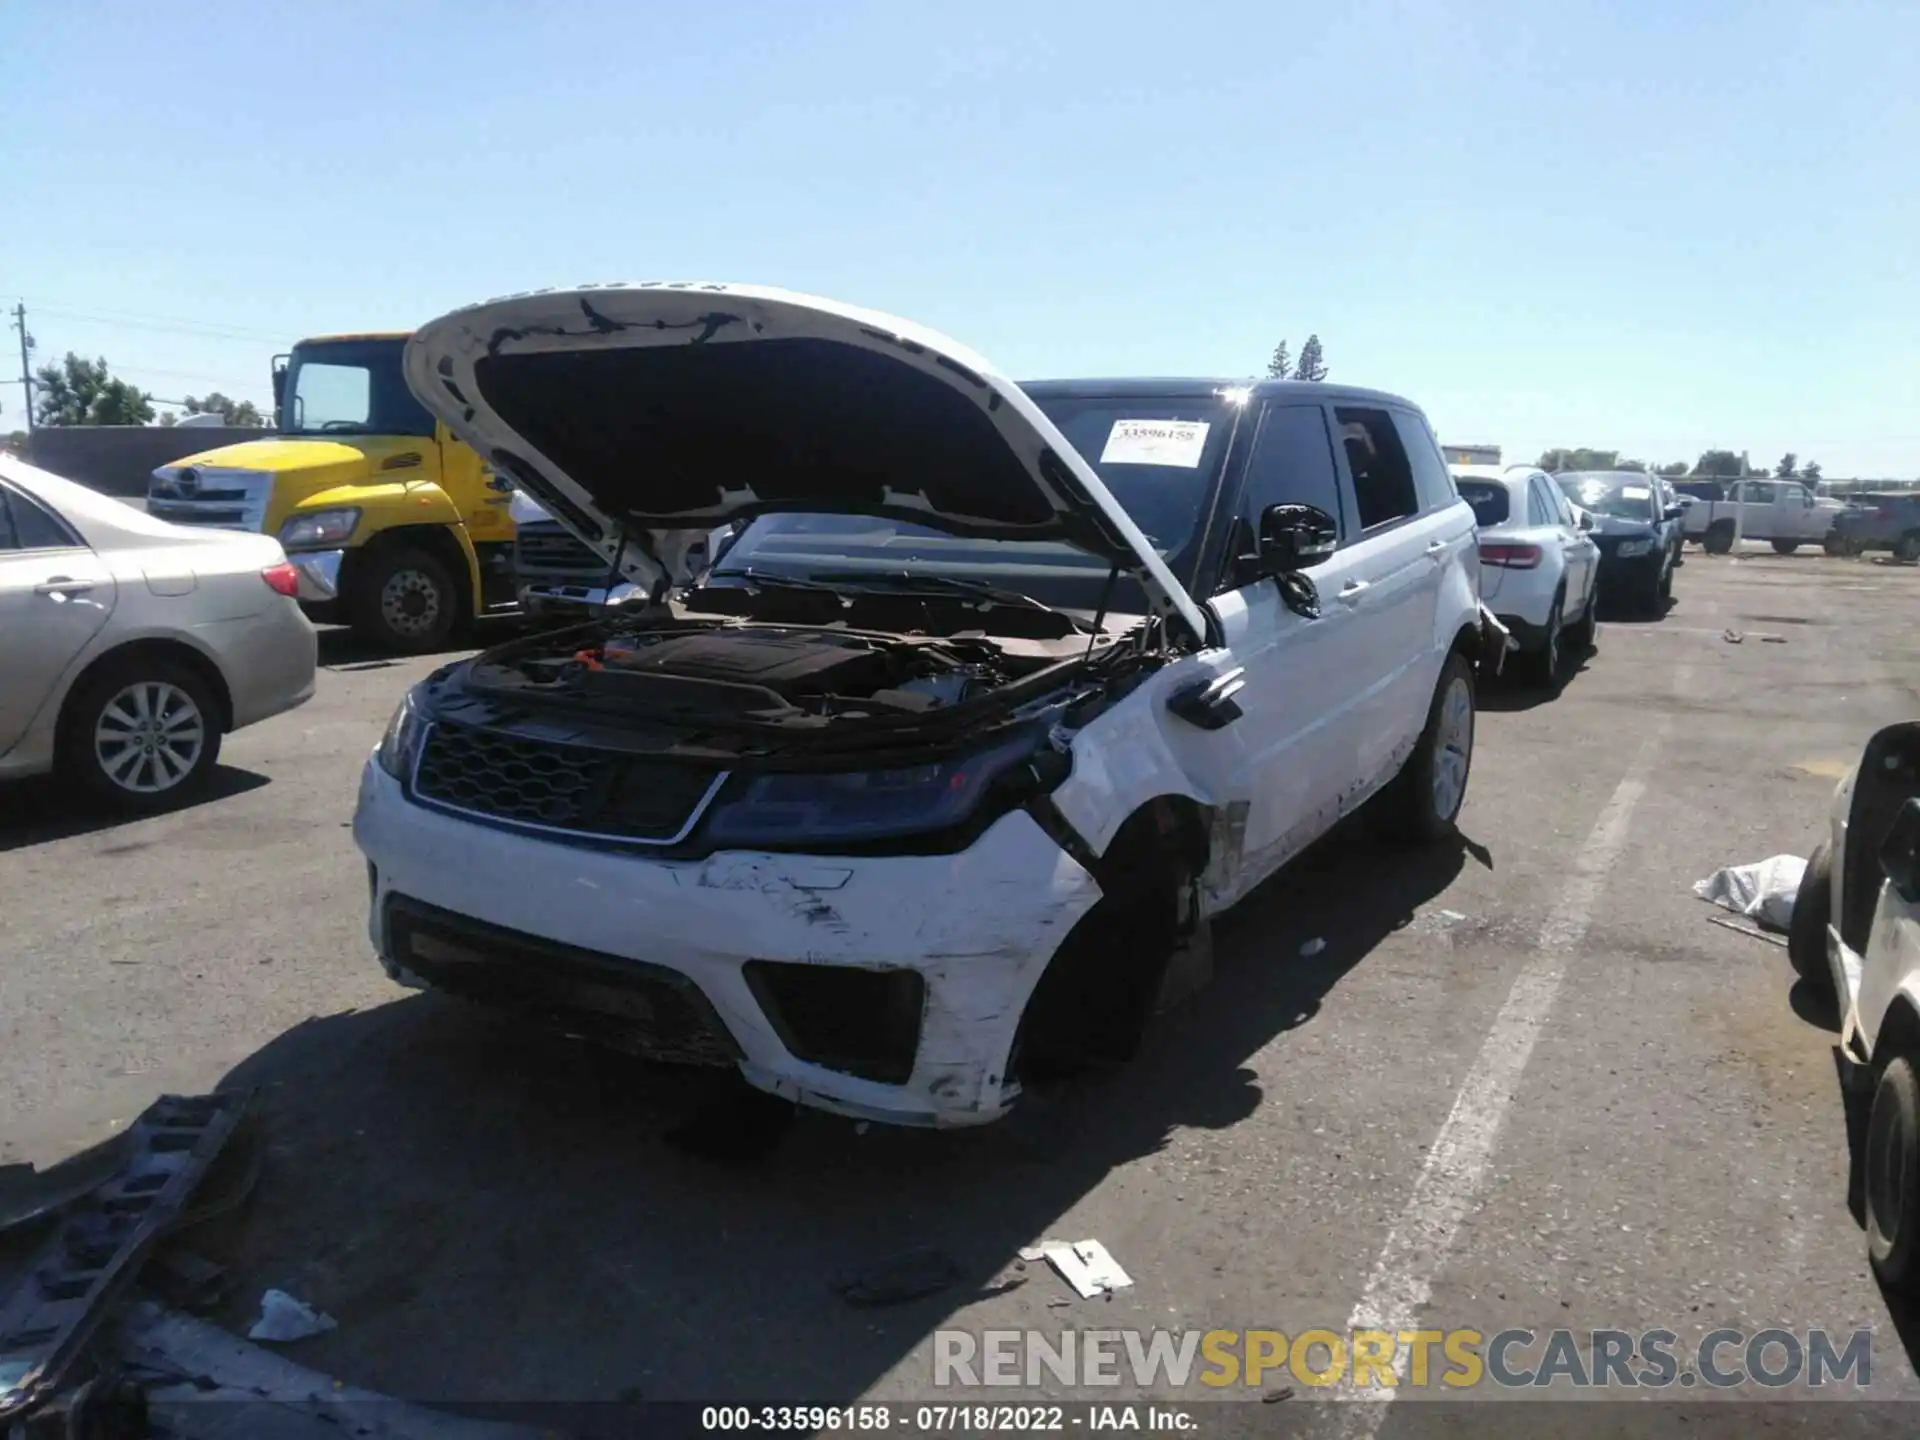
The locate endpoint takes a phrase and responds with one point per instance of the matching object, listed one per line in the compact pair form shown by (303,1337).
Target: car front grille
(551,547)
(565,789)
(646,1009)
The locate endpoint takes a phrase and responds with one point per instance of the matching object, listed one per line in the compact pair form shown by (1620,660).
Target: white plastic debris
(1085,1265)
(1763,892)
(1313,946)
(284,1318)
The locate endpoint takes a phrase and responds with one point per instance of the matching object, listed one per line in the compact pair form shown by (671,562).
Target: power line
(212,330)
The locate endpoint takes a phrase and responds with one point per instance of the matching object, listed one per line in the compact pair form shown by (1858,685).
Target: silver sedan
(129,646)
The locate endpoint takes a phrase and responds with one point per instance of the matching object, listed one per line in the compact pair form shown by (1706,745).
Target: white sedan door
(55,594)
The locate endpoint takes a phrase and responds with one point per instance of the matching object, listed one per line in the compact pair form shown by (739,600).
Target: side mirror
(1586,520)
(1294,538)
(1900,852)
(1674,512)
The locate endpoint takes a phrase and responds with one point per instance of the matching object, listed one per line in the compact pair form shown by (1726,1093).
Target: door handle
(61,586)
(1434,547)
(1353,590)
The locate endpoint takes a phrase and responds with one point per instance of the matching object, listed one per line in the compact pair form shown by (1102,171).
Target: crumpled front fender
(1495,641)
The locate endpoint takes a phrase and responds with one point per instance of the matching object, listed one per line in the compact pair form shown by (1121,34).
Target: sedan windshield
(1624,498)
(1160,459)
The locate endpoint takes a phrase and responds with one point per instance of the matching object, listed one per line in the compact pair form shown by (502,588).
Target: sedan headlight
(401,743)
(319,527)
(863,804)
(1630,548)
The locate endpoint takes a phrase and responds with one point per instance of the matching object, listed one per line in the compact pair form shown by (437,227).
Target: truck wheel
(1907,547)
(1785,547)
(142,735)
(1891,1176)
(1423,802)
(1719,538)
(1807,929)
(405,600)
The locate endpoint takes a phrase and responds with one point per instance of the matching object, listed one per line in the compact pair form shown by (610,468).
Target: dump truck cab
(396,527)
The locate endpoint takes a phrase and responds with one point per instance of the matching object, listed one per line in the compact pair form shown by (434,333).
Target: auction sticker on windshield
(1176,443)
(1635,492)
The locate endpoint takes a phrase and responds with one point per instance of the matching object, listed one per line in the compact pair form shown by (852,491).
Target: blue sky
(1641,225)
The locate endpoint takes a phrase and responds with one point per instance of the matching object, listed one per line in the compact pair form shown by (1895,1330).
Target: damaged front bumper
(1496,640)
(880,987)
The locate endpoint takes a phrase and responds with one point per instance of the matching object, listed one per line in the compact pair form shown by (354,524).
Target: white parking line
(1401,1281)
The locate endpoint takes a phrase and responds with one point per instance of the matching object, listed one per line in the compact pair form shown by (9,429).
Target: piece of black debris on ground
(1272,1397)
(742,1126)
(897,1278)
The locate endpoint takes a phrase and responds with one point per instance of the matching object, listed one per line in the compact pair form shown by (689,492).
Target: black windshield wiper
(767,580)
(907,582)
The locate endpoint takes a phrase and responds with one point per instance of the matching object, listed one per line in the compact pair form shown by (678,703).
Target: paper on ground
(284,1318)
(1764,892)
(1085,1265)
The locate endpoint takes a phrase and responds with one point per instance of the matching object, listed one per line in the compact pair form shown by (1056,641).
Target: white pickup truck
(1786,512)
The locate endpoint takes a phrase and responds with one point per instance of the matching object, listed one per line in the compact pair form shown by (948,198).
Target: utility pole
(26,368)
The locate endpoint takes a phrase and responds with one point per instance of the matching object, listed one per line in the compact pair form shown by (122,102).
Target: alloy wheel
(149,737)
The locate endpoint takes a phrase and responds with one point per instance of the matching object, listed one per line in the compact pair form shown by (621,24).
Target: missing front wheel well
(1092,1005)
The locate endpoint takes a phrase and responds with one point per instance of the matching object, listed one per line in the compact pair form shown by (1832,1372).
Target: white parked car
(999,695)
(129,646)
(1539,568)
(1855,935)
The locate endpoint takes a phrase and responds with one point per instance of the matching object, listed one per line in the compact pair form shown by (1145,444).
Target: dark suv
(1878,522)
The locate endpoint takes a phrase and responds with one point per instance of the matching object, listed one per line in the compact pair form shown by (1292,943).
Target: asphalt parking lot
(1525,1082)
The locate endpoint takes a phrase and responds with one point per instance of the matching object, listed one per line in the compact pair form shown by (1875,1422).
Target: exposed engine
(764,674)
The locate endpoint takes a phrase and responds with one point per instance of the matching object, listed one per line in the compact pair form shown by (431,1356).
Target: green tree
(1810,472)
(1281,365)
(1640,466)
(1579,458)
(1785,469)
(234,412)
(1673,469)
(84,392)
(1312,365)
(1717,462)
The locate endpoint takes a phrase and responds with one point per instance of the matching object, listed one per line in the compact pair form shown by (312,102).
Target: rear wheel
(1719,537)
(1891,1176)
(1907,547)
(1807,928)
(1584,633)
(1423,802)
(142,735)
(1542,664)
(405,600)
(1785,547)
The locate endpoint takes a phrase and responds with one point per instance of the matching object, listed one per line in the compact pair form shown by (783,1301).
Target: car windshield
(350,387)
(1160,458)
(1624,498)
(1489,499)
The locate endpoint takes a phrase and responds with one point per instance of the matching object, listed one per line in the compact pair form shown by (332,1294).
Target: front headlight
(1630,548)
(864,804)
(319,527)
(402,740)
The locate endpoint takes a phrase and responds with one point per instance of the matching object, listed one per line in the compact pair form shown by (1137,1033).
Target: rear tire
(1719,538)
(1422,805)
(1543,664)
(142,736)
(404,600)
(1907,547)
(1891,1176)
(1807,928)
(1785,547)
(1583,636)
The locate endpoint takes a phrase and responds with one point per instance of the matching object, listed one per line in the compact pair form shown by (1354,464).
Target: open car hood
(643,416)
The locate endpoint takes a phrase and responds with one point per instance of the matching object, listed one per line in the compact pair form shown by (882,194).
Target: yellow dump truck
(396,527)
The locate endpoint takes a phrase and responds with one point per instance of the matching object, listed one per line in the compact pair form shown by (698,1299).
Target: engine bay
(763,674)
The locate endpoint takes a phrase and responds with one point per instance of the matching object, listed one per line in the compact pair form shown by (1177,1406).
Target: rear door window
(1431,482)
(1540,510)
(1383,484)
(1489,499)
(31,526)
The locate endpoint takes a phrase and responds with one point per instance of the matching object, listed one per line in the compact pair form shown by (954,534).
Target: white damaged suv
(935,774)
